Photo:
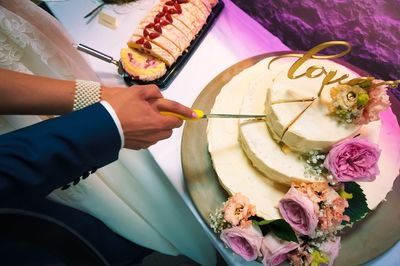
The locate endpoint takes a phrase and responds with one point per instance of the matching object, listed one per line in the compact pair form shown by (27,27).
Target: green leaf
(358,207)
(283,230)
(265,222)
(265,230)
(264,227)
(256,218)
(279,227)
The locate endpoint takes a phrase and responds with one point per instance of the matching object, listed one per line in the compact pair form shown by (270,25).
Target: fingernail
(194,115)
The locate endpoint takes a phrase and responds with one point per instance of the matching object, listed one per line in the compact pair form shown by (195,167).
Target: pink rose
(298,211)
(331,249)
(238,209)
(244,241)
(275,250)
(353,159)
(378,102)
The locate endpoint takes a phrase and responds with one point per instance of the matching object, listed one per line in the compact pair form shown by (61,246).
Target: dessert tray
(175,68)
(364,241)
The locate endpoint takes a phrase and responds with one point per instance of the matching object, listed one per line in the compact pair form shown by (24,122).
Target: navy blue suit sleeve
(40,158)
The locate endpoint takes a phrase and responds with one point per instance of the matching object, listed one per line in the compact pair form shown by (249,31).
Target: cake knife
(202,115)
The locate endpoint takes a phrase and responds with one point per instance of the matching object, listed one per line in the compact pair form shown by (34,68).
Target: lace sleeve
(32,41)
(10,53)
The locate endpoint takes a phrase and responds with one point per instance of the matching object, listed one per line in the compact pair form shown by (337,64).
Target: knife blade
(202,115)
(207,116)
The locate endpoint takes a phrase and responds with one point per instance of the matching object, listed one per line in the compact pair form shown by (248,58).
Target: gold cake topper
(330,76)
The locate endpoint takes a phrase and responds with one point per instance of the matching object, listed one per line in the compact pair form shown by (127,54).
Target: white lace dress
(136,200)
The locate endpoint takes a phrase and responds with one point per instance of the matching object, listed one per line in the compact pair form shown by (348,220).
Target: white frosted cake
(297,120)
(321,159)
(260,158)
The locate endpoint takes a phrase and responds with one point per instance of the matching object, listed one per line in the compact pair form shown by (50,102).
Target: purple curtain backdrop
(371,26)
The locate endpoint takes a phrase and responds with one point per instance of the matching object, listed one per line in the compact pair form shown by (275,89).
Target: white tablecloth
(235,36)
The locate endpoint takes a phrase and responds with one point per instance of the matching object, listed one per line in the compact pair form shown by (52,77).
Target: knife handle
(200,114)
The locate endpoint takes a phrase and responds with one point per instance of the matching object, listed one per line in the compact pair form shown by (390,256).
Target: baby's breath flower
(314,167)
(218,222)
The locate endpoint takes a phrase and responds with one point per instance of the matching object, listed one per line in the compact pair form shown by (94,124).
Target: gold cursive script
(330,76)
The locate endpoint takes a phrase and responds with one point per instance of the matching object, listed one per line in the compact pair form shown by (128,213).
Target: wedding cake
(327,142)
(296,117)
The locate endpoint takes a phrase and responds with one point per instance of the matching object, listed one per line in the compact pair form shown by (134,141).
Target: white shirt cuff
(116,121)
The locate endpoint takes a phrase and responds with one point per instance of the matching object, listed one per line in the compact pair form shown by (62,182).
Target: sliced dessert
(142,66)
(192,16)
(172,16)
(159,40)
(168,29)
(204,5)
(142,45)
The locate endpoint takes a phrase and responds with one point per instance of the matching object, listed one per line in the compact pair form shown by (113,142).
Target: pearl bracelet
(86,93)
